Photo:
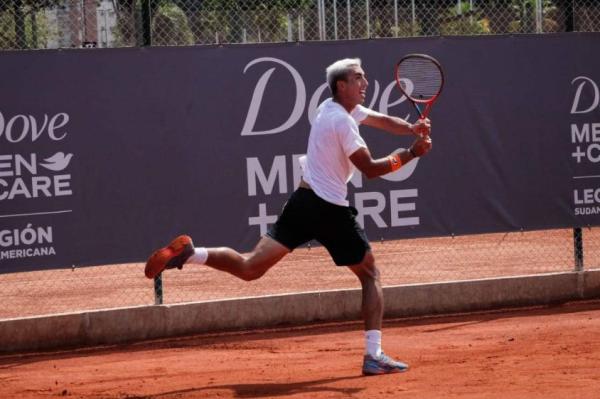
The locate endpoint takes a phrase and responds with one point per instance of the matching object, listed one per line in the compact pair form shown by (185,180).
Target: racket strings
(425,76)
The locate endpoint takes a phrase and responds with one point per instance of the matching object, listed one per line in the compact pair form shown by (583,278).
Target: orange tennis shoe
(172,256)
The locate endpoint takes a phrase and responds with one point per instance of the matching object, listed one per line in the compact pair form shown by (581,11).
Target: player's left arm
(396,125)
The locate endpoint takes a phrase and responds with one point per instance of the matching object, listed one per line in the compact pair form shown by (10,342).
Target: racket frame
(417,103)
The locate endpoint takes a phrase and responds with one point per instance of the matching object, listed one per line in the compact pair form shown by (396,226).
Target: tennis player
(318,209)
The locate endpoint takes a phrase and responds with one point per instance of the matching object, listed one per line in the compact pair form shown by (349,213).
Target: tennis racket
(421,79)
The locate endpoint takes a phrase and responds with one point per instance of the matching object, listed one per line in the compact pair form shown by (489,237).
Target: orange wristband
(395,162)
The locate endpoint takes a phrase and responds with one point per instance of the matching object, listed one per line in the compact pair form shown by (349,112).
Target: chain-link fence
(36,24)
(306,269)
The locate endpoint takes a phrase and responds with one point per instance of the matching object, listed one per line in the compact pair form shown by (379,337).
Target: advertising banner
(107,154)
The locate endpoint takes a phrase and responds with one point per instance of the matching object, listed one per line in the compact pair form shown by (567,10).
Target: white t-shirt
(334,136)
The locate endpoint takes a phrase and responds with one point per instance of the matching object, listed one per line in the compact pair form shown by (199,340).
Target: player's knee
(366,269)
(253,271)
(251,275)
(368,260)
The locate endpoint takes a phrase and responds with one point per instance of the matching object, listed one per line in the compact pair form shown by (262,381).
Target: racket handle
(418,108)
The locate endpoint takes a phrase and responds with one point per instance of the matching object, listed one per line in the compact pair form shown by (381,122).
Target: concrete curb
(115,326)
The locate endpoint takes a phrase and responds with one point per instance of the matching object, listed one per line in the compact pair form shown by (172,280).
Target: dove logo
(20,128)
(591,94)
(57,162)
(304,99)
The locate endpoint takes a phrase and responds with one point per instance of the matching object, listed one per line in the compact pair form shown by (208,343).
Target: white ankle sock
(200,256)
(373,342)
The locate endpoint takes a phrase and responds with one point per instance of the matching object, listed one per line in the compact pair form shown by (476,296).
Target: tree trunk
(527,18)
(20,38)
(235,34)
(565,13)
(500,15)
(34,30)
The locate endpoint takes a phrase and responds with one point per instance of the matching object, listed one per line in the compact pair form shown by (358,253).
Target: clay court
(550,352)
(413,261)
(545,352)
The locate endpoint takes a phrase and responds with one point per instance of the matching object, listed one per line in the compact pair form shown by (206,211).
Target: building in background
(81,23)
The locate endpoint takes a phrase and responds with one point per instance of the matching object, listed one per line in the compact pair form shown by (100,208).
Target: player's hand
(421,146)
(421,127)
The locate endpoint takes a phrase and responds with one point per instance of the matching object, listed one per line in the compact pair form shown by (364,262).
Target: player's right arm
(371,168)
(396,125)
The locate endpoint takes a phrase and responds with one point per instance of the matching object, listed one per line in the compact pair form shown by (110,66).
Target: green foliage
(24,24)
(463,21)
(170,27)
(256,5)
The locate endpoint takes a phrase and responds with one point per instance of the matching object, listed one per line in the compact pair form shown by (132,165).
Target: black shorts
(306,216)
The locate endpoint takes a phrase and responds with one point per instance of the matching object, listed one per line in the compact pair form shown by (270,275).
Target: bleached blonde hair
(339,70)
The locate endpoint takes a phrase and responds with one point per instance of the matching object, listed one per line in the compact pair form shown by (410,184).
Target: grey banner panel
(107,154)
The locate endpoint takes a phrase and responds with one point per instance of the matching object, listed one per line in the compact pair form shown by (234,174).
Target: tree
(565,10)
(14,30)
(130,24)
(428,13)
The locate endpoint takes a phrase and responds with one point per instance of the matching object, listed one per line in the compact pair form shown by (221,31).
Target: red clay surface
(401,262)
(549,353)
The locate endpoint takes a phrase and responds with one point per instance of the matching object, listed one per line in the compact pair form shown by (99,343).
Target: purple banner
(107,154)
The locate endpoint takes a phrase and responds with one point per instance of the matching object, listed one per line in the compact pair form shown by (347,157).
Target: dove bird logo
(57,162)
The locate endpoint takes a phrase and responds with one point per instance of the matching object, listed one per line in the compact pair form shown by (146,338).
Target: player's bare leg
(245,266)
(375,361)
(250,266)
(372,293)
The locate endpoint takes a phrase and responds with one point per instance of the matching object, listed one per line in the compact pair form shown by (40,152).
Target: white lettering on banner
(397,207)
(385,103)
(19,176)
(373,211)
(270,177)
(379,204)
(17,163)
(26,236)
(36,238)
(372,204)
(588,135)
(257,96)
(593,210)
(591,153)
(577,107)
(255,171)
(589,132)
(18,127)
(263,219)
(585,136)
(25,176)
(32,176)
(586,196)
(278,172)
(27,253)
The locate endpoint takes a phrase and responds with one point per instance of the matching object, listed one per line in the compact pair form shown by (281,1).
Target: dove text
(19,128)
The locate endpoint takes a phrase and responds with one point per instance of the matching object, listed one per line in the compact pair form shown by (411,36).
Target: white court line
(587,177)
(36,213)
